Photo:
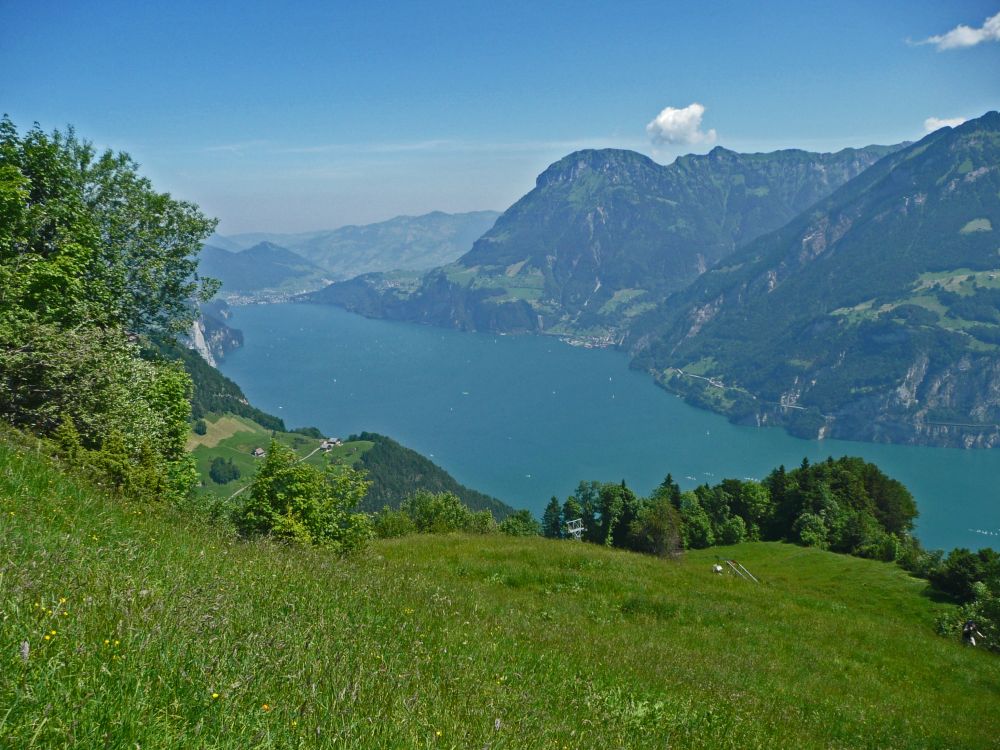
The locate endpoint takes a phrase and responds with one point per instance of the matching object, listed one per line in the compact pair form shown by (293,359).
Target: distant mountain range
(248,263)
(604,237)
(875,314)
(264,266)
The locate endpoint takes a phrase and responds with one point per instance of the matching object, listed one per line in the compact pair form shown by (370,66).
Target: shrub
(521,523)
(436,513)
(96,379)
(390,523)
(200,427)
(292,500)
(481,522)
(732,531)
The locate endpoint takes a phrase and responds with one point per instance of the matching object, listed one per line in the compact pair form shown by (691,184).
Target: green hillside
(130,625)
(395,471)
(875,315)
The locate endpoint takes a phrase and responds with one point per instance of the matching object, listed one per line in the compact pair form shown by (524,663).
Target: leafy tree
(810,530)
(697,527)
(223,471)
(962,569)
(552,520)
(90,257)
(732,531)
(755,506)
(657,527)
(292,500)
(88,240)
(200,427)
(521,523)
(392,522)
(587,497)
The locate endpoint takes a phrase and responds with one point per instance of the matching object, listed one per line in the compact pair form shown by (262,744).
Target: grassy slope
(453,641)
(233,437)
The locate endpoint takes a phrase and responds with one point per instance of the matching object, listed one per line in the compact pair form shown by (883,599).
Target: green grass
(453,641)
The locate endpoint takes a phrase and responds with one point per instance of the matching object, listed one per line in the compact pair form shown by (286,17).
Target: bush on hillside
(390,523)
(436,513)
(294,501)
(521,523)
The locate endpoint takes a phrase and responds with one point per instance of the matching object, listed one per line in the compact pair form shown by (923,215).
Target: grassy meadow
(127,626)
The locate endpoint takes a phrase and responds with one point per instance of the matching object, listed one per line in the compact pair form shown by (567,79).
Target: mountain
(875,315)
(604,236)
(405,242)
(264,266)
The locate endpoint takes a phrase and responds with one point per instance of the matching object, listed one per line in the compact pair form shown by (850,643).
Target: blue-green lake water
(526,417)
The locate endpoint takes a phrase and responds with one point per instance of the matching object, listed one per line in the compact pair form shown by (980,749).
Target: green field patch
(701,366)
(460,275)
(963,281)
(977,225)
(527,293)
(515,268)
(221,427)
(619,299)
(634,310)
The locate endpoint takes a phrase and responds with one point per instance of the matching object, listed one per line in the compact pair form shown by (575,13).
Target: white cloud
(966,36)
(674,125)
(936,123)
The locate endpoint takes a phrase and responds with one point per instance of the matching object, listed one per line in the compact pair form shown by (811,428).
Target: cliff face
(210,336)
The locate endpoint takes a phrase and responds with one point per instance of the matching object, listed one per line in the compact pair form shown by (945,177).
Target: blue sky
(305,115)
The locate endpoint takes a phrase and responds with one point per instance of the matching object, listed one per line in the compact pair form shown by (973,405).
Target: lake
(527,417)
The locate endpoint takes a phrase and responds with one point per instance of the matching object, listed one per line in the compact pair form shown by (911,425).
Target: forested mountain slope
(875,315)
